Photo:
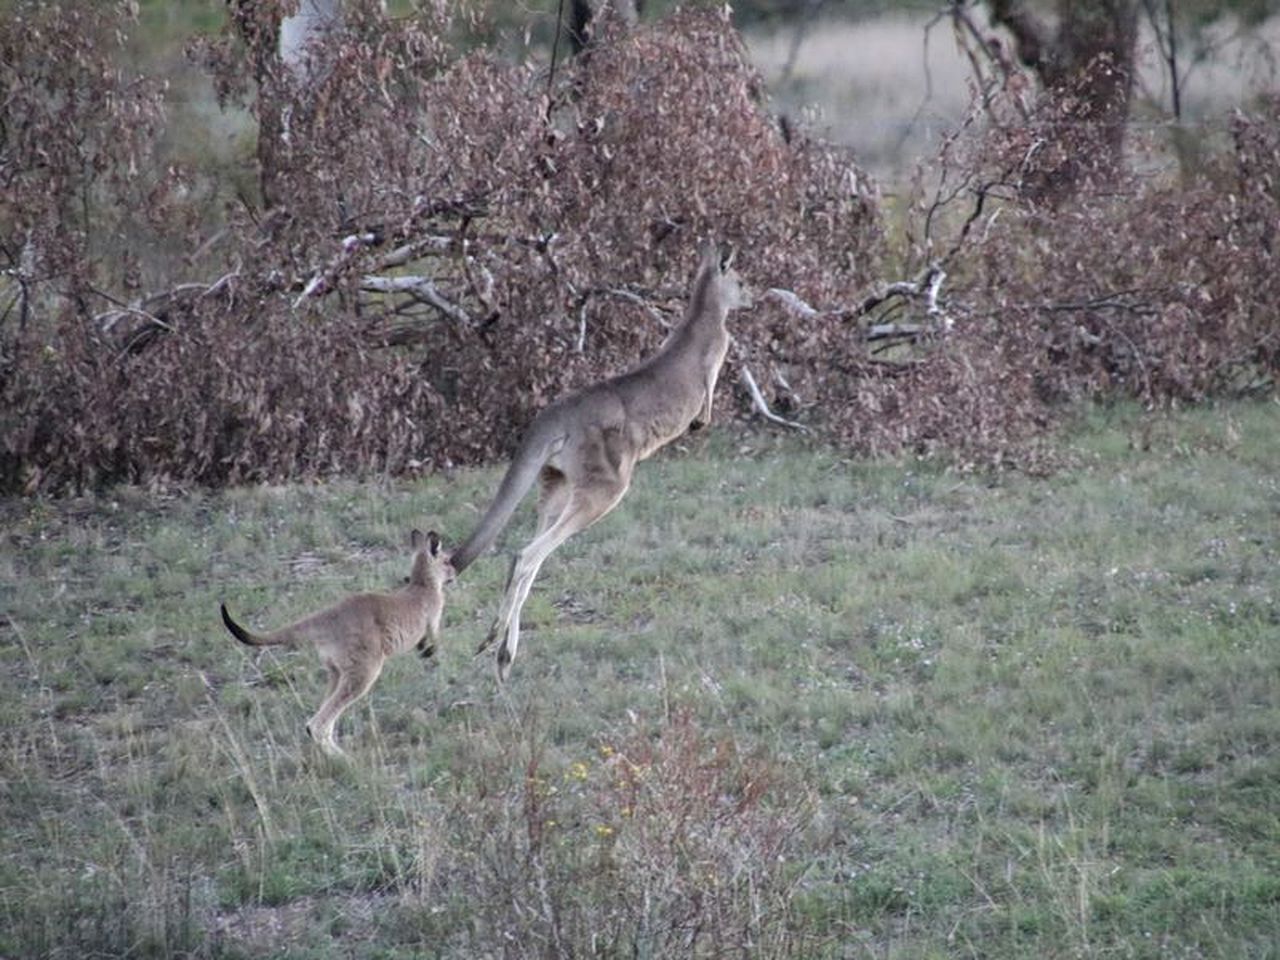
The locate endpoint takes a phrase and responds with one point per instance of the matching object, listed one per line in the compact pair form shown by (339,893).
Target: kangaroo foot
(503,662)
(327,744)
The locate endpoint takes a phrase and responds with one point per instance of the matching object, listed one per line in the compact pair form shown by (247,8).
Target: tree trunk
(313,19)
(582,14)
(1087,64)
(278,35)
(258,24)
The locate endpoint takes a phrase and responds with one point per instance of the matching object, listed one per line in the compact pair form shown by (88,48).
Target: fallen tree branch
(153,310)
(761,405)
(618,293)
(423,246)
(891,331)
(927,288)
(109,319)
(416,237)
(420,288)
(793,302)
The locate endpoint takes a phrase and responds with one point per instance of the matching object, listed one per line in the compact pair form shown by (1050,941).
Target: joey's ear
(433,543)
(416,539)
(727,254)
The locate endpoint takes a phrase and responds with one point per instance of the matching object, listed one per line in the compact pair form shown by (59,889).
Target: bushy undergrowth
(1133,285)
(665,842)
(1118,285)
(452,240)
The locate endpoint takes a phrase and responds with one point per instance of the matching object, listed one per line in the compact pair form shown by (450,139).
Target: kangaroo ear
(727,253)
(710,259)
(416,539)
(433,543)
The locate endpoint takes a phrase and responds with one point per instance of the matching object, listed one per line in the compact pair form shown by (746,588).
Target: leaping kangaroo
(582,448)
(355,637)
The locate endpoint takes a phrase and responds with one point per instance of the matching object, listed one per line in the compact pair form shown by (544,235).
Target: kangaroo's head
(431,565)
(717,289)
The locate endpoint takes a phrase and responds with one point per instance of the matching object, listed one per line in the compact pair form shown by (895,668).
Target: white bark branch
(792,302)
(887,331)
(639,301)
(420,288)
(761,405)
(928,288)
(148,307)
(314,284)
(414,249)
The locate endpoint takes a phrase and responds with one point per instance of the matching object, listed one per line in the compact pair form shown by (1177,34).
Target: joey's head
(431,565)
(718,287)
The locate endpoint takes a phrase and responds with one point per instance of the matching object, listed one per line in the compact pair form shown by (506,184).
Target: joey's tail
(244,636)
(537,447)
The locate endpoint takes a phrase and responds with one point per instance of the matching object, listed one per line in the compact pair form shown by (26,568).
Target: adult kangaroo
(583,447)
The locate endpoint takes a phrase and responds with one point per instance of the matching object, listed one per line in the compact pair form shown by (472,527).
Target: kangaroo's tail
(243,635)
(534,451)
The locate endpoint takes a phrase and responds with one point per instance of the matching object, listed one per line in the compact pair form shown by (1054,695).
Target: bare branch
(314,285)
(639,301)
(792,302)
(150,307)
(936,279)
(761,405)
(420,288)
(421,247)
(109,319)
(222,281)
(890,331)
(928,288)
(412,244)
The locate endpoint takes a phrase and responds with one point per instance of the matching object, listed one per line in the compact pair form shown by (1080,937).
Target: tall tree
(1086,61)
(279,35)
(583,13)
(258,25)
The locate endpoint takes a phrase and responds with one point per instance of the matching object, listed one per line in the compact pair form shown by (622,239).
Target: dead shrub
(1140,286)
(454,242)
(663,842)
(550,254)
(1126,286)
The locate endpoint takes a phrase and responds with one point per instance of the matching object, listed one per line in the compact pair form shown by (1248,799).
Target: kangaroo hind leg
(350,685)
(582,506)
(335,675)
(553,497)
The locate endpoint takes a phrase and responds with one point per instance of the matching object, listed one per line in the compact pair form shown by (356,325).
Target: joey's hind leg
(352,684)
(313,729)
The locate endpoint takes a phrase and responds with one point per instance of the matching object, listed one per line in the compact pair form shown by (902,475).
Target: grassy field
(779,704)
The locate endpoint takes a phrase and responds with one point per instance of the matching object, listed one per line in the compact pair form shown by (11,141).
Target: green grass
(779,704)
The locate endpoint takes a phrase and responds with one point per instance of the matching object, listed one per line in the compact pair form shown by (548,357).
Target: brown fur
(355,637)
(582,449)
